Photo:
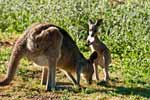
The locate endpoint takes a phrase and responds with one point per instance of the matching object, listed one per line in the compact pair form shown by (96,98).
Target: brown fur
(104,57)
(50,46)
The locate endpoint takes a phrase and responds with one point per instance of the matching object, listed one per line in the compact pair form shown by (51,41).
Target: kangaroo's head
(93,30)
(89,69)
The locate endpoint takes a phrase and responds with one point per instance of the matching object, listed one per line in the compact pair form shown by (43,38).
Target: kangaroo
(104,56)
(49,45)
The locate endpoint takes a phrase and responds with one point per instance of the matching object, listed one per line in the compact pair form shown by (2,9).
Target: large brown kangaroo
(104,56)
(49,45)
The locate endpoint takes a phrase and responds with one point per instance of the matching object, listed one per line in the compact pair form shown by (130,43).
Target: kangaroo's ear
(90,22)
(99,22)
(93,56)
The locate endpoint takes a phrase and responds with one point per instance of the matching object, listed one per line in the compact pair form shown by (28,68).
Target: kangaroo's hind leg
(96,75)
(105,66)
(106,74)
(102,63)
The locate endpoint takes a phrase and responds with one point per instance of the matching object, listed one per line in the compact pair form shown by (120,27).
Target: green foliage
(3,58)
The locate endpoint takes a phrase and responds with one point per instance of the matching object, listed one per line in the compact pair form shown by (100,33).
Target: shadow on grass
(144,92)
(123,90)
(69,87)
(64,85)
(137,91)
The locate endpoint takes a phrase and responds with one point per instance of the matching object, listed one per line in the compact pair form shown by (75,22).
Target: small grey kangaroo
(104,56)
(49,45)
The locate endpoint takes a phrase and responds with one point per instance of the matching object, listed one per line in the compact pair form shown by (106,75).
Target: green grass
(125,31)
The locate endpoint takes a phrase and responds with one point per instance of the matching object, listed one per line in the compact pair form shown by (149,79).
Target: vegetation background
(126,32)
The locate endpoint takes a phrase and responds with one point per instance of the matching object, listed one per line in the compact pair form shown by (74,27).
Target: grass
(125,31)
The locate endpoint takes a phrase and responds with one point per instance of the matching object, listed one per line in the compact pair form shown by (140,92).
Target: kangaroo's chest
(96,48)
(99,48)
(92,48)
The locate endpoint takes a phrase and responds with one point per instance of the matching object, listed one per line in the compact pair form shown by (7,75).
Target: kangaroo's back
(70,53)
(101,49)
